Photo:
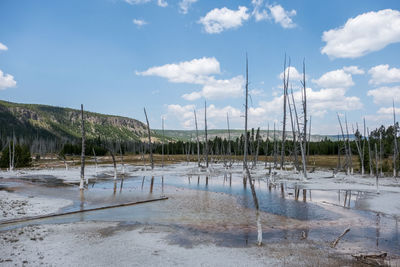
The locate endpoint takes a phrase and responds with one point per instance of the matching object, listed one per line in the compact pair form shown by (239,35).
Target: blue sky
(118,56)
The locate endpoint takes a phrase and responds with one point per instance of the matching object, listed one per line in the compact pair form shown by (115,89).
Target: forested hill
(49,122)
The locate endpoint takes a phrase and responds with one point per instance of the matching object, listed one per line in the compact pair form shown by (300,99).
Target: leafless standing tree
(396,151)
(245,117)
(285,94)
(302,146)
(150,145)
(162,145)
(205,131)
(197,138)
(83,151)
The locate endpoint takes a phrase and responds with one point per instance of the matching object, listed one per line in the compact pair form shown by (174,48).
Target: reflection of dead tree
(334,243)
(83,151)
(150,146)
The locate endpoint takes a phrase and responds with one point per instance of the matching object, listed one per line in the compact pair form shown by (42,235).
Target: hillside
(184,135)
(31,120)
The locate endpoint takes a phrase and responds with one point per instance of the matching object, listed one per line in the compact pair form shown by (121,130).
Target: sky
(119,56)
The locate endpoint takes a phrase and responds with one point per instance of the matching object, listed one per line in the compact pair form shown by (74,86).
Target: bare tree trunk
(349,147)
(205,131)
(162,146)
(309,140)
(345,146)
(255,200)
(150,145)
(380,152)
(305,117)
(359,149)
(395,152)
(13,152)
(258,147)
(95,160)
(83,151)
(275,149)
(245,117)
(296,160)
(114,164)
(229,141)
(302,147)
(369,154)
(10,155)
(285,93)
(377,168)
(197,138)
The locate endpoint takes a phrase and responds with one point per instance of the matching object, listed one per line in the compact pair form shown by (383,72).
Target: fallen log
(377,259)
(334,243)
(30,218)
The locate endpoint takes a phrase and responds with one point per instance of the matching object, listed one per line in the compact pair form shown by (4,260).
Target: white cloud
(353,70)
(195,71)
(273,12)
(256,92)
(137,2)
(199,71)
(385,95)
(6,81)
(220,19)
(162,3)
(363,34)
(218,89)
(294,75)
(184,5)
(139,22)
(3,47)
(335,79)
(382,74)
(215,115)
(282,17)
(259,12)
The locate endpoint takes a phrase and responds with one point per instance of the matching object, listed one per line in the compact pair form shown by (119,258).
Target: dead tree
(395,150)
(376,168)
(255,200)
(275,148)
(359,148)
(304,102)
(162,144)
(150,145)
(295,152)
(380,152)
(245,117)
(95,160)
(229,141)
(205,132)
(345,146)
(114,164)
(348,146)
(83,151)
(197,139)
(369,153)
(13,152)
(285,93)
(302,146)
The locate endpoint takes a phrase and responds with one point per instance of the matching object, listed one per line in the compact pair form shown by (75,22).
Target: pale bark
(83,151)
(302,147)
(197,139)
(395,152)
(150,145)
(162,145)
(205,132)
(245,117)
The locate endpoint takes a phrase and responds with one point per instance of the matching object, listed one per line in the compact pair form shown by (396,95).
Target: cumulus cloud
(162,3)
(368,32)
(139,22)
(220,19)
(184,5)
(199,71)
(215,115)
(335,79)
(282,17)
(195,71)
(6,81)
(385,95)
(137,2)
(382,74)
(294,75)
(355,70)
(218,89)
(3,47)
(273,12)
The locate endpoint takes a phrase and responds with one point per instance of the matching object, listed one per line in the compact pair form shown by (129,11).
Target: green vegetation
(22,156)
